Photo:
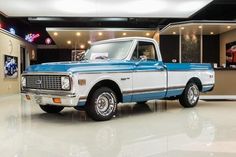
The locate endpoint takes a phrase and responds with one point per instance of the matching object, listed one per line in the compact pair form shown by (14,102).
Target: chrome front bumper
(45,98)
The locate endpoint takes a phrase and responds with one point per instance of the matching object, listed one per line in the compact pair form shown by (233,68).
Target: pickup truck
(111,72)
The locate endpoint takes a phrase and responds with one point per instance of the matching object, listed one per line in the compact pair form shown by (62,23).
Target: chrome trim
(208,85)
(201,70)
(47,73)
(153,90)
(144,90)
(69,74)
(49,92)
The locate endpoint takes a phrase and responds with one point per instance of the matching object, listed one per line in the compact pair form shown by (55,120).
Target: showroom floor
(162,129)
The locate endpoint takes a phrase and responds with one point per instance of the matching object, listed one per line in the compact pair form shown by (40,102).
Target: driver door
(149,75)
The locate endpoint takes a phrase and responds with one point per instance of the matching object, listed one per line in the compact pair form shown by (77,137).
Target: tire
(190,96)
(102,104)
(51,108)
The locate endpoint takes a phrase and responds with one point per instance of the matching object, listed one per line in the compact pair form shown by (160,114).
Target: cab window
(144,50)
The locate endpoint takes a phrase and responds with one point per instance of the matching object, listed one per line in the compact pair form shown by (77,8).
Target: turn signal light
(57,100)
(27,97)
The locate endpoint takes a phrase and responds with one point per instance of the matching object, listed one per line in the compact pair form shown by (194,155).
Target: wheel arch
(110,84)
(197,81)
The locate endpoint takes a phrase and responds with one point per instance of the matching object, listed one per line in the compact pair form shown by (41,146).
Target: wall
(224,83)
(211,49)
(169,46)
(10,45)
(225,38)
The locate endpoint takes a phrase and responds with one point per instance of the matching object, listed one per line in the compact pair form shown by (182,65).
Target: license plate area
(38,99)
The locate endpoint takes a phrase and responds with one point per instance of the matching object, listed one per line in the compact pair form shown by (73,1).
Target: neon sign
(12,31)
(31,37)
(48,41)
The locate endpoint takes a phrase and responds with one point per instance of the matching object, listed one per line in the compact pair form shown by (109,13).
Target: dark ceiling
(216,10)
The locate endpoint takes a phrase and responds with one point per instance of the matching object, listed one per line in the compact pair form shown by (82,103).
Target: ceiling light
(68,42)
(182,28)
(100,33)
(188,7)
(211,33)
(78,34)
(124,34)
(55,34)
(89,42)
(228,27)
(106,8)
(147,34)
(174,33)
(200,27)
(82,46)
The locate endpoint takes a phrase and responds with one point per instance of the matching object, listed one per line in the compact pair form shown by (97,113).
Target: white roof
(124,39)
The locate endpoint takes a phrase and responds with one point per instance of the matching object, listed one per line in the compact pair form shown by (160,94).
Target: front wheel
(190,96)
(51,108)
(102,104)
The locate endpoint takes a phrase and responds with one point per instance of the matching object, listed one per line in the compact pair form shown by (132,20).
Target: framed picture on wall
(231,54)
(10,66)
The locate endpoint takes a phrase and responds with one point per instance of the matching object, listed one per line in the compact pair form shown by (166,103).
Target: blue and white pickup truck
(112,72)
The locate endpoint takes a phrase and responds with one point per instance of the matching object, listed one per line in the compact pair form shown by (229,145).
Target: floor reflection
(157,128)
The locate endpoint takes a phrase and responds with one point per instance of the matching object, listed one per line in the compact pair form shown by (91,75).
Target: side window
(144,50)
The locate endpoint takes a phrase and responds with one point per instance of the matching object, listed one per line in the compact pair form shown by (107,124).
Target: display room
(137,78)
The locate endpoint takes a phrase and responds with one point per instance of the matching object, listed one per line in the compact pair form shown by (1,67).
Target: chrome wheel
(105,104)
(193,94)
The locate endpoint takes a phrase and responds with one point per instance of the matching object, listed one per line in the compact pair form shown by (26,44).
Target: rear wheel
(102,104)
(190,96)
(51,108)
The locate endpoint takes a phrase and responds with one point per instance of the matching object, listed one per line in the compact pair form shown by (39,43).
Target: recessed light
(100,33)
(147,34)
(78,33)
(174,33)
(89,42)
(55,34)
(182,28)
(82,46)
(228,27)
(211,33)
(200,27)
(69,42)
(124,34)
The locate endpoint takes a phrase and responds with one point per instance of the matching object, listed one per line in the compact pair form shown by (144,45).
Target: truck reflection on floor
(154,129)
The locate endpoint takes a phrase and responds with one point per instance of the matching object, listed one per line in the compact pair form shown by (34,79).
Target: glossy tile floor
(162,129)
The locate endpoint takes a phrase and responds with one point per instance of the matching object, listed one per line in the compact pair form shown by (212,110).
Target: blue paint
(112,66)
(174,92)
(127,98)
(207,88)
(187,66)
(81,103)
(148,96)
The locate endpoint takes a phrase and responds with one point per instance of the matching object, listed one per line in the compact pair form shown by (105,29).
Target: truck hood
(82,66)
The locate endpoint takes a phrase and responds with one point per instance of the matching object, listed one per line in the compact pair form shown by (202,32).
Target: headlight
(23,81)
(65,82)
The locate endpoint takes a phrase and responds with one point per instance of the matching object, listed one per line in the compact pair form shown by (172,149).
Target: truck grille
(47,82)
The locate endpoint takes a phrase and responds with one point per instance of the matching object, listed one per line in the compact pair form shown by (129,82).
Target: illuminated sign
(48,41)
(12,31)
(31,37)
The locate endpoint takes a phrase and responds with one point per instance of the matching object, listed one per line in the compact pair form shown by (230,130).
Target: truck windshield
(112,50)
